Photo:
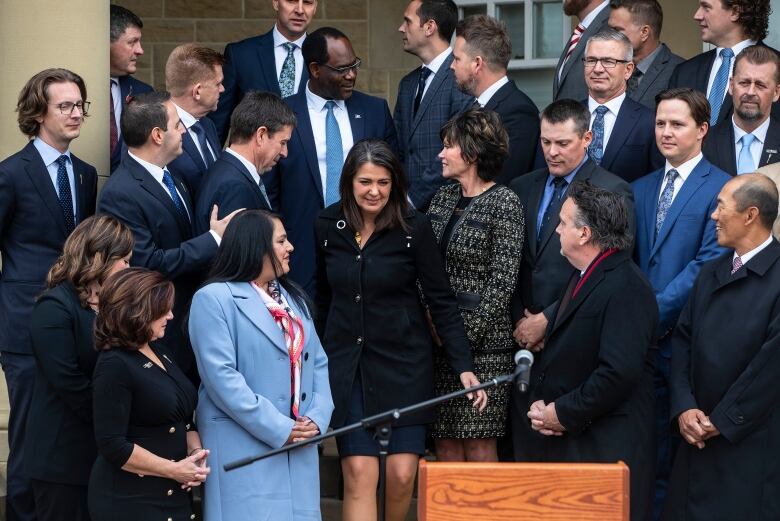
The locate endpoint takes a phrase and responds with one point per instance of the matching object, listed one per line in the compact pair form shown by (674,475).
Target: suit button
(187,426)
(192,516)
(357,298)
(740,420)
(172,430)
(359,340)
(357,258)
(536,270)
(303,397)
(170,492)
(305,356)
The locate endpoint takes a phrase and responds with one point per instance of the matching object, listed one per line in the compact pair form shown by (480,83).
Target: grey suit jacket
(656,79)
(572,80)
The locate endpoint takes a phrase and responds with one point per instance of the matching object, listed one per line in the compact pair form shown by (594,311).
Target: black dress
(136,402)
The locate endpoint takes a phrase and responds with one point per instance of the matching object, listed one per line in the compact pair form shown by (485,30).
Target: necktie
(633,81)
(287,76)
(424,73)
(559,187)
(264,192)
(334,155)
(736,264)
(718,90)
(573,41)
(204,148)
(114,130)
(745,164)
(667,196)
(171,186)
(64,194)
(596,149)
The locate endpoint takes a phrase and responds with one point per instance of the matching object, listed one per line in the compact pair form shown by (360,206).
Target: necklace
(358,238)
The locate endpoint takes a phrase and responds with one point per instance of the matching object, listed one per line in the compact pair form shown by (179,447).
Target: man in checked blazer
(427,96)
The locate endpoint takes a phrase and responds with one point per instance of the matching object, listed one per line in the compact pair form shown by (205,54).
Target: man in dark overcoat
(725,365)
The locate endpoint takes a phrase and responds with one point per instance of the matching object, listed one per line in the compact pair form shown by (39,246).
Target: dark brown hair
(89,253)
(129,302)
(482,140)
(487,37)
(376,152)
(189,64)
(760,55)
(700,107)
(753,16)
(643,12)
(33,100)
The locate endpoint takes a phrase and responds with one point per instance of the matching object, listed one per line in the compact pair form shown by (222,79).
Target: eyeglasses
(344,70)
(607,63)
(66,108)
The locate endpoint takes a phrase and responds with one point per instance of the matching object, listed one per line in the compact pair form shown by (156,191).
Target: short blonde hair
(189,64)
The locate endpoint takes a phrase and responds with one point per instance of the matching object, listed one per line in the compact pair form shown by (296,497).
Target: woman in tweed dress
(479,227)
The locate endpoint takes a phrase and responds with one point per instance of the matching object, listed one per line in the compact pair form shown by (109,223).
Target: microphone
(524,360)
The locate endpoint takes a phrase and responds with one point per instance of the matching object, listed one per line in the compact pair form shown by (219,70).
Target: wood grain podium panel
(523,491)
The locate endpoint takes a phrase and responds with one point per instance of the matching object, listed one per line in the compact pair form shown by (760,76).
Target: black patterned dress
(481,239)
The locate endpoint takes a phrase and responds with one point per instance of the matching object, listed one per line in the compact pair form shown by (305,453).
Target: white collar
(585,22)
(317,103)
(437,62)
(759,133)
(280,40)
(613,105)
(186,118)
(48,153)
(488,93)
(685,169)
(738,48)
(154,170)
(755,251)
(247,164)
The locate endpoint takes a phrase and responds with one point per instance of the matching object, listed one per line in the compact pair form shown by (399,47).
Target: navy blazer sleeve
(112,401)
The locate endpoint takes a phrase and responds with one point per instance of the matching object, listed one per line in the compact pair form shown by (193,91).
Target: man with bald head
(725,362)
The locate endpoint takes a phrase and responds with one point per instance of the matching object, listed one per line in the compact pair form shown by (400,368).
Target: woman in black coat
(149,453)
(372,250)
(61,445)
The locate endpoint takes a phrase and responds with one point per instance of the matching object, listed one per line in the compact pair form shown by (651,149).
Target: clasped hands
(303,428)
(529,331)
(696,427)
(544,419)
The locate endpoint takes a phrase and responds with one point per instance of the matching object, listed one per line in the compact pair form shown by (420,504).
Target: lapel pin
(358,116)
(148,365)
(341,224)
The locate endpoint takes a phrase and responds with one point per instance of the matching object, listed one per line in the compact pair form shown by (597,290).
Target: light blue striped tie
(718,90)
(745,164)
(334,155)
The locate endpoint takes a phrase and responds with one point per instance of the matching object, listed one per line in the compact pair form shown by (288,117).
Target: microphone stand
(382,425)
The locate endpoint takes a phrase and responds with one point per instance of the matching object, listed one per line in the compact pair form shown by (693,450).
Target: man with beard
(331,116)
(569,80)
(480,57)
(751,138)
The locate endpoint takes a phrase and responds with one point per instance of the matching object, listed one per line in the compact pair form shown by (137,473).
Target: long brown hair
(89,253)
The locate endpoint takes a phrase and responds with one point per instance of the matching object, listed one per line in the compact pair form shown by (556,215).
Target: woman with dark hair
(479,227)
(372,250)
(264,377)
(149,453)
(59,460)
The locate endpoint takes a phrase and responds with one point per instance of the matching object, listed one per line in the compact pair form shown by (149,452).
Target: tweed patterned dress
(482,260)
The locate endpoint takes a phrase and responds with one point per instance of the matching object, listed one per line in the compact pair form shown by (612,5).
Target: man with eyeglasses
(331,116)
(623,137)
(45,191)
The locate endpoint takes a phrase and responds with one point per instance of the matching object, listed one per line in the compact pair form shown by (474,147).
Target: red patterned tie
(573,41)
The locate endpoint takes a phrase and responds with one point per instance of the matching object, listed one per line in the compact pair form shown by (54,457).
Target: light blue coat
(244,407)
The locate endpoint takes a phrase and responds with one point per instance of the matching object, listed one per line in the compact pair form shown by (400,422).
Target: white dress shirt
(49,154)
(752,253)
(683,171)
(188,120)
(317,114)
(483,98)
(280,54)
(757,146)
(610,117)
(741,46)
(434,65)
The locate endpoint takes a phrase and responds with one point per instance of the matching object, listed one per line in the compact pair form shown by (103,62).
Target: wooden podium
(523,491)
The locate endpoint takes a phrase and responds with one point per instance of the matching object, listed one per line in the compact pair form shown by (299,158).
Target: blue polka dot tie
(64,194)
(665,202)
(171,186)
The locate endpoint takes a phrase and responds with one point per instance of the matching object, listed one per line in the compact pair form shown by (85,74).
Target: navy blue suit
(631,151)
(295,186)
(190,166)
(719,147)
(249,65)
(230,186)
(128,86)
(164,240)
(672,262)
(32,233)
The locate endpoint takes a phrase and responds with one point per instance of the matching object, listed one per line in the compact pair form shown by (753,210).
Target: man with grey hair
(623,130)
(591,397)
(481,55)
(725,362)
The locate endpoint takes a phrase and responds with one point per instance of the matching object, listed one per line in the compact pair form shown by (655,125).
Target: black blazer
(190,166)
(164,240)
(521,121)
(370,319)
(656,79)
(230,186)
(720,150)
(65,357)
(543,270)
(32,232)
(128,86)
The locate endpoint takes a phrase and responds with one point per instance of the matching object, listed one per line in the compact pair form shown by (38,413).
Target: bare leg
(448,449)
(361,474)
(482,449)
(401,470)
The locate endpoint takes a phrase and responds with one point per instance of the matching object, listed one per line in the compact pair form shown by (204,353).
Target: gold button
(172,430)
(170,492)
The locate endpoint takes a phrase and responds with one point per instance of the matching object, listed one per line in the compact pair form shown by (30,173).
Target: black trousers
(60,502)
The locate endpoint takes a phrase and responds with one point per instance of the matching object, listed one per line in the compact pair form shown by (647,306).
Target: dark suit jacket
(127,86)
(631,151)
(656,79)
(418,134)
(521,121)
(685,242)
(249,65)
(32,232)
(725,362)
(695,73)
(164,240)
(543,270)
(720,149)
(65,357)
(230,186)
(572,82)
(190,166)
(294,185)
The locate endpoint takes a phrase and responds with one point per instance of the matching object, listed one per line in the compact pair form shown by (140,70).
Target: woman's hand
(303,429)
(479,398)
(192,470)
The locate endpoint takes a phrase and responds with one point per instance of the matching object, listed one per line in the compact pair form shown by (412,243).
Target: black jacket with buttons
(370,318)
